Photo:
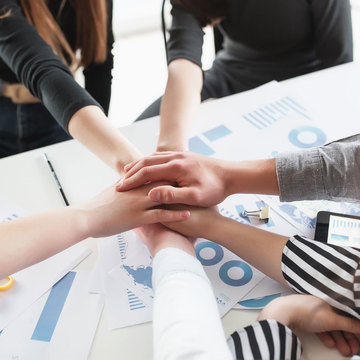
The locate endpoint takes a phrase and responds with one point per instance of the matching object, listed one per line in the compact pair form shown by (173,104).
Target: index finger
(129,166)
(147,174)
(150,161)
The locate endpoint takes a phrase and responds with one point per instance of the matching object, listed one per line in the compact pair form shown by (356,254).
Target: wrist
(281,310)
(166,145)
(85,222)
(214,227)
(231,177)
(157,237)
(252,177)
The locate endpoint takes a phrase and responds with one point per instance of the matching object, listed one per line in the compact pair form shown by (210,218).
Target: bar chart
(344,231)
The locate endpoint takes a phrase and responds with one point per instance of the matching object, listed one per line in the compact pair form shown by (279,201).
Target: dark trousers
(25,127)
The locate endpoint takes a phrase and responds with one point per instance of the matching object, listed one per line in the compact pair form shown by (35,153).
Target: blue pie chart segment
(227,279)
(295,137)
(218,255)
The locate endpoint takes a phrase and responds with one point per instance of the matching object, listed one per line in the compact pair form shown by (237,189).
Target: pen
(57,182)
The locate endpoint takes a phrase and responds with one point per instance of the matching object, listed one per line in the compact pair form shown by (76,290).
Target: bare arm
(29,240)
(179,104)
(91,127)
(260,248)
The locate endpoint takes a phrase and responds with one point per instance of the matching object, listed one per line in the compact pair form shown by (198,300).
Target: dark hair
(206,11)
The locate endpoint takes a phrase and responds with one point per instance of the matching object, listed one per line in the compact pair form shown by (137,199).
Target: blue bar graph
(271,113)
(198,146)
(217,133)
(252,122)
(134,302)
(53,307)
(289,102)
(278,109)
(256,119)
(122,246)
(262,117)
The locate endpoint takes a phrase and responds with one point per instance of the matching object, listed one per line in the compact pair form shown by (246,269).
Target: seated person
(263,41)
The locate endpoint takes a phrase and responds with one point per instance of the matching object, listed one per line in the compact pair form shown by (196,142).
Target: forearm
(179,104)
(90,126)
(260,248)
(251,177)
(157,237)
(330,172)
(29,240)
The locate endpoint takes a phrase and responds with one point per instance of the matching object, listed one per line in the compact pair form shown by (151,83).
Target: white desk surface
(25,180)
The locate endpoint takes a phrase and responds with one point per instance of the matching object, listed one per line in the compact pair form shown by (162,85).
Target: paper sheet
(269,113)
(60,325)
(302,214)
(128,286)
(35,280)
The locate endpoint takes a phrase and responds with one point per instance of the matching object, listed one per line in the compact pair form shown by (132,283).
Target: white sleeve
(186,321)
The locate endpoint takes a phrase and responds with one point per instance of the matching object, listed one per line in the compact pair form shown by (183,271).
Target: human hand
(199,224)
(201,180)
(157,237)
(112,212)
(311,314)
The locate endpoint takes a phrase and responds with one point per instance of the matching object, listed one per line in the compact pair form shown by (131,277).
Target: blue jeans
(25,127)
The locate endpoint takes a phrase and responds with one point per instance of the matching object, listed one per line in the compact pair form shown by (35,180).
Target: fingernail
(185,214)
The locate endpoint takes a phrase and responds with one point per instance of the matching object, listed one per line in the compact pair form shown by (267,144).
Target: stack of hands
(179,190)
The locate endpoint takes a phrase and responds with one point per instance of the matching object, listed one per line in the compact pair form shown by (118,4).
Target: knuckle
(177,166)
(160,215)
(195,196)
(169,196)
(145,172)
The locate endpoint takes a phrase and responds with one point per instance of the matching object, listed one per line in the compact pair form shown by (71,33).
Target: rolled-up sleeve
(330,172)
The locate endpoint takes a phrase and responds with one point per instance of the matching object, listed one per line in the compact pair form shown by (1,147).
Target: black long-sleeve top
(26,58)
(266,40)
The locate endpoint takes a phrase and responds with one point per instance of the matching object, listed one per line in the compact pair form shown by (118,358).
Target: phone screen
(338,229)
(344,231)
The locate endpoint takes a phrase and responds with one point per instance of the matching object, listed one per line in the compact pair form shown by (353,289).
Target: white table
(26,181)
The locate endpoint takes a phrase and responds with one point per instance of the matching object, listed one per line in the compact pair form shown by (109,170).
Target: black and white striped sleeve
(329,272)
(266,339)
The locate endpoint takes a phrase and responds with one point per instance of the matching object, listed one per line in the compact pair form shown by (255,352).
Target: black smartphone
(338,229)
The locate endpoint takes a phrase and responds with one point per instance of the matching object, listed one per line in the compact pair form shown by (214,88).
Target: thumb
(172,195)
(348,324)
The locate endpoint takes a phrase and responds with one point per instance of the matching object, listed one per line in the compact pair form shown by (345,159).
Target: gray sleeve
(186,37)
(330,172)
(332,31)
